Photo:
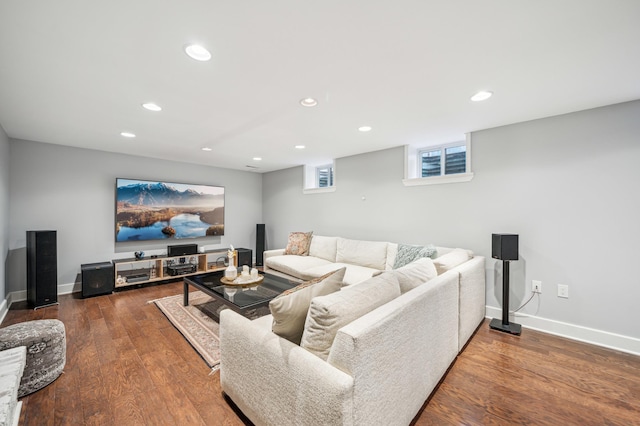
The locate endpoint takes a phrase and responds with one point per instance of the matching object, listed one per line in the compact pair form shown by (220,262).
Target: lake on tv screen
(185,225)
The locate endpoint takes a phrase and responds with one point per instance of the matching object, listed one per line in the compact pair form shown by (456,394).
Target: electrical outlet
(563,291)
(536,286)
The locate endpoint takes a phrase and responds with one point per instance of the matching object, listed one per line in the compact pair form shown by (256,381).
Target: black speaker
(504,246)
(97,278)
(182,250)
(244,257)
(260,244)
(42,268)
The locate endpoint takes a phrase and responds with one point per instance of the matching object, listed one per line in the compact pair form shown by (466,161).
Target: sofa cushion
(354,274)
(298,243)
(289,309)
(408,253)
(392,252)
(327,314)
(323,247)
(12,364)
(372,254)
(450,260)
(414,274)
(295,265)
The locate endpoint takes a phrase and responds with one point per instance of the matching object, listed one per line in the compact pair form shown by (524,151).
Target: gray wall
(72,191)
(4,207)
(565,184)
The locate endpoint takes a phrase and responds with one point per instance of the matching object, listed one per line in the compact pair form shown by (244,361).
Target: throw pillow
(323,247)
(298,243)
(414,274)
(328,314)
(289,309)
(450,260)
(408,253)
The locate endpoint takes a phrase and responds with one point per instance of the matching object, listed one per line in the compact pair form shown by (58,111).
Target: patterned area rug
(198,322)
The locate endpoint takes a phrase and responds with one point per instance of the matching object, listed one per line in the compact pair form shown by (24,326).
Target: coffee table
(237,298)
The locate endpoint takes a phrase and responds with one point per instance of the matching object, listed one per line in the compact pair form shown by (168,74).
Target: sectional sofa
(393,333)
(12,364)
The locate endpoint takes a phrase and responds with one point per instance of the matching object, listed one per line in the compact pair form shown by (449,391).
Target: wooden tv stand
(161,268)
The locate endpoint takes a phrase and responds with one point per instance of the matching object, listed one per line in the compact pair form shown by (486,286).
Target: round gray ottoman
(46,344)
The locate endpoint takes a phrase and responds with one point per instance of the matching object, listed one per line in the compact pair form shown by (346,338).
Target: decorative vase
(231,272)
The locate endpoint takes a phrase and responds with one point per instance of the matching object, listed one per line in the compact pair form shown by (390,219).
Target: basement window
(319,178)
(442,160)
(324,176)
(447,163)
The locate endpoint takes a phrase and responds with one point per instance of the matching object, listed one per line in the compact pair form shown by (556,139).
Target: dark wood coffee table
(237,298)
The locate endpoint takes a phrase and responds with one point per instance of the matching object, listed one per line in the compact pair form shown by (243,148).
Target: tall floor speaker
(97,278)
(42,269)
(260,244)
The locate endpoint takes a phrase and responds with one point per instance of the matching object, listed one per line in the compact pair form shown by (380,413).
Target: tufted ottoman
(46,351)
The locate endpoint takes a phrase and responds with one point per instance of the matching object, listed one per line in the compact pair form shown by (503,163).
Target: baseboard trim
(21,295)
(592,336)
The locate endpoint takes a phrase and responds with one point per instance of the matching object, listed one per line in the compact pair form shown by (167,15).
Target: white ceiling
(76,72)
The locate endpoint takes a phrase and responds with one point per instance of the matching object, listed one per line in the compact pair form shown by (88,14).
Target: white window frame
(413,165)
(311,178)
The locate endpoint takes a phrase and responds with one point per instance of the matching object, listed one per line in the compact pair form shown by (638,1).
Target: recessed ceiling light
(128,134)
(300,147)
(481,96)
(151,106)
(308,102)
(206,148)
(364,128)
(257,158)
(197,52)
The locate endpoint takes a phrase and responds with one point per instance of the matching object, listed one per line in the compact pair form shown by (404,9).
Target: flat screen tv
(154,210)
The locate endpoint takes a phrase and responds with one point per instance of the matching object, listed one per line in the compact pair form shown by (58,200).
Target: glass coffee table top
(238,297)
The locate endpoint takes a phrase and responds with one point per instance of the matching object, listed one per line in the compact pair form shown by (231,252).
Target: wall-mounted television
(156,210)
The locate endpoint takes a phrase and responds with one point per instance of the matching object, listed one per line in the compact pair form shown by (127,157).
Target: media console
(128,272)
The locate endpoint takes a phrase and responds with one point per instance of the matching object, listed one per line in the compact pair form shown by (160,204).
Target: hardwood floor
(127,365)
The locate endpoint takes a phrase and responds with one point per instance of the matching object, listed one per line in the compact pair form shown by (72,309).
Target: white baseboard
(69,288)
(21,295)
(570,331)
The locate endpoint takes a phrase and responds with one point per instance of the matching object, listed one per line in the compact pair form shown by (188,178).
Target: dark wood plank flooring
(127,365)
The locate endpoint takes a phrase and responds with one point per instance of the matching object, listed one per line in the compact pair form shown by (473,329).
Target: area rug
(197,324)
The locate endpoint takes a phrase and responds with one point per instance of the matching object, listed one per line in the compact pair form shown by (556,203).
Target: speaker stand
(45,306)
(504,325)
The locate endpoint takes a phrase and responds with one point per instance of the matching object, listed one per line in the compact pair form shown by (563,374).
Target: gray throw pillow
(408,253)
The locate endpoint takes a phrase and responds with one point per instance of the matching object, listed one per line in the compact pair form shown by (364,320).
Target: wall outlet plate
(563,291)
(536,286)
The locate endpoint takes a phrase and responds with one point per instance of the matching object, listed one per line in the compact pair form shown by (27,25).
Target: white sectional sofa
(12,364)
(381,366)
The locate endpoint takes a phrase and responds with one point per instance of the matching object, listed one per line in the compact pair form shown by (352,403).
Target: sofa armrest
(472,298)
(398,353)
(274,381)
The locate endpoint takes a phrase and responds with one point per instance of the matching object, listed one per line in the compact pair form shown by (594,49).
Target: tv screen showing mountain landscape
(150,210)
